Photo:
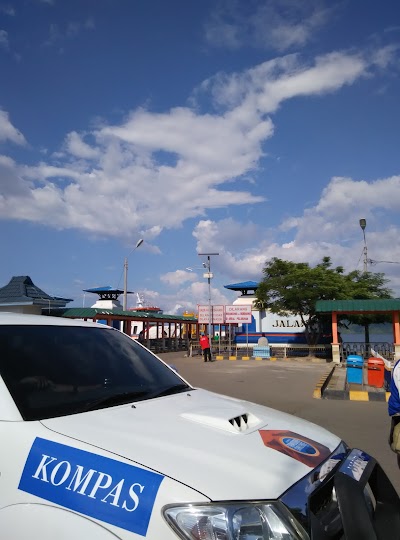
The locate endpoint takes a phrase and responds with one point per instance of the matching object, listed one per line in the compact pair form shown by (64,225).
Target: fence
(222,346)
(383,348)
(160,345)
(225,348)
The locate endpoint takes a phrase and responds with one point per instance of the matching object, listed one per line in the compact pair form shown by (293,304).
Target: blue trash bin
(355,363)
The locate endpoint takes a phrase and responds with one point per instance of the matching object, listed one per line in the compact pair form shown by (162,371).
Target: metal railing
(291,351)
(384,348)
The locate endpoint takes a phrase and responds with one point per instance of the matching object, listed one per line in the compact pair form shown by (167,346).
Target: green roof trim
(90,313)
(351,306)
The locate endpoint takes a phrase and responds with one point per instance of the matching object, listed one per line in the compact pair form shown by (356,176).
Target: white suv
(100,440)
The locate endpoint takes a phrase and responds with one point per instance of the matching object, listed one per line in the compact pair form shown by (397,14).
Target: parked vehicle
(101,440)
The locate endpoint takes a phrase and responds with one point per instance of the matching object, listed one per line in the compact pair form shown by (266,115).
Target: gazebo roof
(107,292)
(105,289)
(243,287)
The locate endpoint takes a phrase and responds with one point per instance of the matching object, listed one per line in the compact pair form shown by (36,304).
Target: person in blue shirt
(394,405)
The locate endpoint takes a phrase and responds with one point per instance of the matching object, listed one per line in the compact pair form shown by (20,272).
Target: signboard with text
(238,314)
(217,314)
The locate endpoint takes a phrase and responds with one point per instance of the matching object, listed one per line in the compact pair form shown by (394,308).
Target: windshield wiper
(174,389)
(114,399)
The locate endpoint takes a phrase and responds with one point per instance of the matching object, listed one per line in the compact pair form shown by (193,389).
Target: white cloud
(386,56)
(265,87)
(8,10)
(178,277)
(74,28)
(188,298)
(11,185)
(68,31)
(330,228)
(155,170)
(272,24)
(78,148)
(4,43)
(8,132)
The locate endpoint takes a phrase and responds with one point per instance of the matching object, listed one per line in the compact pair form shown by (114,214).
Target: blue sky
(255,129)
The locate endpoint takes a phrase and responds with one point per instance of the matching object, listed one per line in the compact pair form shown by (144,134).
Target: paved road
(288,386)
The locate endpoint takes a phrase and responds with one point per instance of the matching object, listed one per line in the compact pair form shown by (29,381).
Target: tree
(289,287)
(368,286)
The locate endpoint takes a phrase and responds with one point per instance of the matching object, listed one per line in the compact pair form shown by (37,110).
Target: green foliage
(289,287)
(368,286)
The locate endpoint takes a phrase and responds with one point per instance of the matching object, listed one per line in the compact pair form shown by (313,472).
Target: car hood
(224,448)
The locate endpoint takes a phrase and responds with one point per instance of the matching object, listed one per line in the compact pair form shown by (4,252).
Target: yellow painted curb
(258,358)
(273,359)
(358,395)
(317,393)
(219,357)
(232,358)
(245,357)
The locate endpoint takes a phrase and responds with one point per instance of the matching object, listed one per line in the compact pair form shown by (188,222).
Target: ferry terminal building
(162,332)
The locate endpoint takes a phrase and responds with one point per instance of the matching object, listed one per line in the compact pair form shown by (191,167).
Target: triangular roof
(21,290)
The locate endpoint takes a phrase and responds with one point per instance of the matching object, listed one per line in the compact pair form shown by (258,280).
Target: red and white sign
(217,314)
(238,314)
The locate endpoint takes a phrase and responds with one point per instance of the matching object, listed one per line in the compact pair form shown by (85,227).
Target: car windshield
(59,370)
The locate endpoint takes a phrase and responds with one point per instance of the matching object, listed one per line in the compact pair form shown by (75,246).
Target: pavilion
(361,307)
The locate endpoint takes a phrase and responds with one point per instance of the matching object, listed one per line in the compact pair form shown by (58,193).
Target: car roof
(8,318)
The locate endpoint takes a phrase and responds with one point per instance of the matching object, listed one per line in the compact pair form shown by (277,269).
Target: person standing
(394,410)
(205,347)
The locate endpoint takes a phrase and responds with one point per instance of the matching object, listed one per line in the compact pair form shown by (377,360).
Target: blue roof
(244,286)
(107,288)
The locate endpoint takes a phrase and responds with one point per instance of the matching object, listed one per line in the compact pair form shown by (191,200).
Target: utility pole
(209,276)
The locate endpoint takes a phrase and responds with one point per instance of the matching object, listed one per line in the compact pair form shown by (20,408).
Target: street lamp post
(125,298)
(363,224)
(209,276)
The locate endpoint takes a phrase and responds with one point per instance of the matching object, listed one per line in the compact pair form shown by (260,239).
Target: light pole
(209,276)
(363,224)
(124,305)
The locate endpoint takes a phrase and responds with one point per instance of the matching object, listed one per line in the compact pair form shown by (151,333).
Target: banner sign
(238,314)
(217,314)
(224,314)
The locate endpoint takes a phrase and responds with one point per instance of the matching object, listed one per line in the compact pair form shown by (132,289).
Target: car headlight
(234,521)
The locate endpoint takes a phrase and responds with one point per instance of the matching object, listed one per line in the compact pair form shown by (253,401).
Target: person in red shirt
(205,347)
